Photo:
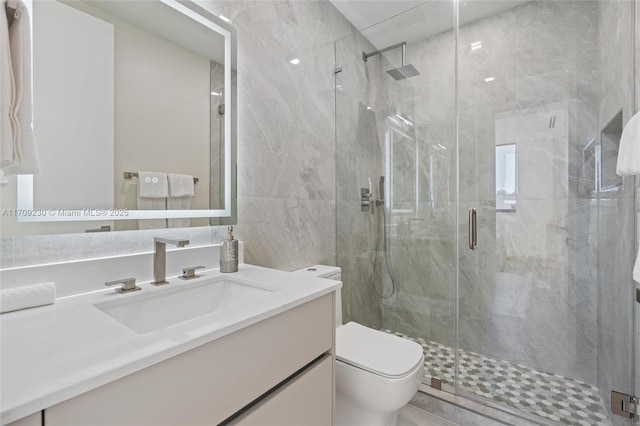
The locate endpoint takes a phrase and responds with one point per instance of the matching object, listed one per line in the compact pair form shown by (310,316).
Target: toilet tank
(330,273)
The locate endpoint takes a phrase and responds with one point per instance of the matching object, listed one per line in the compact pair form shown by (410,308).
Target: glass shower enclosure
(510,122)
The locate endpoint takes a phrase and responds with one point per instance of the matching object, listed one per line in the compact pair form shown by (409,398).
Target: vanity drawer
(306,399)
(212,382)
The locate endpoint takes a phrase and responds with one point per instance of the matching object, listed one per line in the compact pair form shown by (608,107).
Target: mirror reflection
(132,110)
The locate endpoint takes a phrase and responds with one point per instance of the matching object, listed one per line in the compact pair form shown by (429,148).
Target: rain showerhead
(401,73)
(405,71)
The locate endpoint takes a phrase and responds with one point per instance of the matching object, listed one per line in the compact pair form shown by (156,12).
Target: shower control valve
(365,199)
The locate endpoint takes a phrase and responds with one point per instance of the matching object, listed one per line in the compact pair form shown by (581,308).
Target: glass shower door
(539,298)
(398,257)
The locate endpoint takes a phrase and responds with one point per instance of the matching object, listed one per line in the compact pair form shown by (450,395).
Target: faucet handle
(128,285)
(189,272)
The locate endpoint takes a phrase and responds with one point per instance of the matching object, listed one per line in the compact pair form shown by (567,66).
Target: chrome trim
(160,258)
(189,272)
(128,285)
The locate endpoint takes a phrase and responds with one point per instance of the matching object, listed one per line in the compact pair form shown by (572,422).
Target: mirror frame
(25,201)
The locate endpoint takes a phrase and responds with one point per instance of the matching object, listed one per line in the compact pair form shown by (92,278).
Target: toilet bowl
(376,373)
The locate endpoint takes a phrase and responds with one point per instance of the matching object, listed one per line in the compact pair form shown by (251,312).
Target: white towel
(6,91)
(152,185)
(153,190)
(181,189)
(152,204)
(179,203)
(30,296)
(629,150)
(24,155)
(181,186)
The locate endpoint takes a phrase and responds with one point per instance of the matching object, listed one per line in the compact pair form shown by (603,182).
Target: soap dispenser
(229,253)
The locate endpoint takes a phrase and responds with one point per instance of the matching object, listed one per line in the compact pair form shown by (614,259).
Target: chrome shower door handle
(473,231)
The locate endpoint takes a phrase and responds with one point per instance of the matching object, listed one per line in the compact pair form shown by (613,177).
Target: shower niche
(609,145)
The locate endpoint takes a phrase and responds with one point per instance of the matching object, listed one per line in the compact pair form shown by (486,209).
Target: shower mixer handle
(366,199)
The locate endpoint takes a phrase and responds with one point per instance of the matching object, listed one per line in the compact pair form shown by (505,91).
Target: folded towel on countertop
(29,296)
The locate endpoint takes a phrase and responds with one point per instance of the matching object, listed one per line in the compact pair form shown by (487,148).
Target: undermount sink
(159,309)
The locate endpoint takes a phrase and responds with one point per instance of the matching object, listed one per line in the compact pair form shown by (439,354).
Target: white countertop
(52,353)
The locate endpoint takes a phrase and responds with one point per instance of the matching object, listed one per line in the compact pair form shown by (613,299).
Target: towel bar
(130,175)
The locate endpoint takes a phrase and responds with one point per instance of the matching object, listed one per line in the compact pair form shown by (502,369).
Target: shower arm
(366,56)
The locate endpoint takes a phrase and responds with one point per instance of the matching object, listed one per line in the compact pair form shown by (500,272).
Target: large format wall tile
(535,268)
(358,161)
(616,209)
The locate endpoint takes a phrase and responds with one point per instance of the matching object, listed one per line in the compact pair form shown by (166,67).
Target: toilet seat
(377,352)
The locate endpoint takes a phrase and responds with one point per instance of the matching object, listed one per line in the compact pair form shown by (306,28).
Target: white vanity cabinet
(277,371)
(306,399)
(32,420)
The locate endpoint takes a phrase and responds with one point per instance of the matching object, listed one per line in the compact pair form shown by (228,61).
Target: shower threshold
(550,396)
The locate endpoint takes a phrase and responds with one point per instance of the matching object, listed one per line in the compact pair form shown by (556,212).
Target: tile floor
(412,416)
(553,397)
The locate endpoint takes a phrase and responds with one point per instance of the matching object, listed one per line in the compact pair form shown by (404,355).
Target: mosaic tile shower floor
(553,397)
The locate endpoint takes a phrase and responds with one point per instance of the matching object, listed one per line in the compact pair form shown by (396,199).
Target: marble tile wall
(421,249)
(286,147)
(616,209)
(534,269)
(358,159)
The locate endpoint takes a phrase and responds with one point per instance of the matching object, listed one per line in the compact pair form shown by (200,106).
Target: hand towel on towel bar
(153,190)
(181,185)
(181,189)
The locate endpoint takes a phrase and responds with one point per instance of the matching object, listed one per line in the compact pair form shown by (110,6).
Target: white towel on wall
(152,204)
(629,150)
(181,186)
(6,91)
(179,203)
(153,190)
(181,190)
(153,185)
(24,157)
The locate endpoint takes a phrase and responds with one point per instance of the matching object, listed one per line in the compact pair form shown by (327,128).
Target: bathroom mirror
(119,88)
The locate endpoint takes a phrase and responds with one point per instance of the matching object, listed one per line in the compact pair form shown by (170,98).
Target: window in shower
(506,178)
(402,154)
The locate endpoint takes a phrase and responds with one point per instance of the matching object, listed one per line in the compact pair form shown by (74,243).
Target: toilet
(376,373)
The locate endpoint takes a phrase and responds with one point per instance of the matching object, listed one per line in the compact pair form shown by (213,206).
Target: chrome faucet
(160,258)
